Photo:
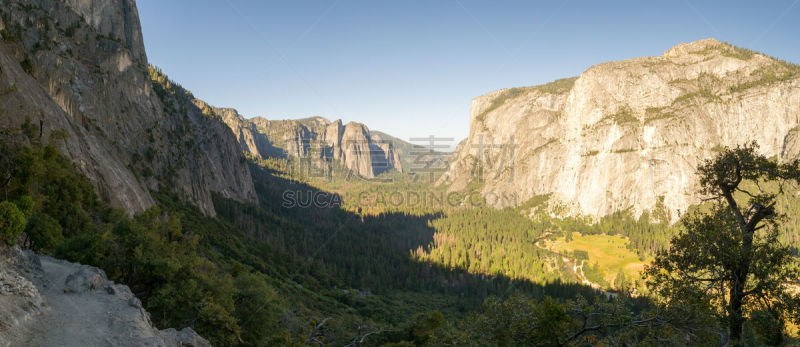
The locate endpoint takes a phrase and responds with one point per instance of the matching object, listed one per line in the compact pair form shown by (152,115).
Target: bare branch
(312,336)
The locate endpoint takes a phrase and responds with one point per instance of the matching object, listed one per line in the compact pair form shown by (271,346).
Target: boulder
(184,337)
(85,279)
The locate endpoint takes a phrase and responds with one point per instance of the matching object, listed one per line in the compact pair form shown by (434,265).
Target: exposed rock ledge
(51,302)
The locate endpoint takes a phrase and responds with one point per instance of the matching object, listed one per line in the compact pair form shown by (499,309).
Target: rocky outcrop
(317,138)
(50,302)
(20,299)
(117,19)
(77,73)
(628,134)
(251,141)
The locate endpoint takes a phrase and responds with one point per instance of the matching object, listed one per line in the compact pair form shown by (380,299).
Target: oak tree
(729,255)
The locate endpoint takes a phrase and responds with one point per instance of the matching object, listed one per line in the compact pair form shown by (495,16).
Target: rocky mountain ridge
(75,74)
(628,134)
(353,145)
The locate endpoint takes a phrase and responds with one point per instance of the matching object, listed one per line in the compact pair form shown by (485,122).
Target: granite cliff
(75,72)
(353,145)
(628,134)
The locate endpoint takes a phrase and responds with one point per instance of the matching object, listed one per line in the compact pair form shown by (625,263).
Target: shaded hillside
(76,71)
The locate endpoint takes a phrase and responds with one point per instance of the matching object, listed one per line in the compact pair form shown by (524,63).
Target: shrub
(7,35)
(27,65)
(44,233)
(560,86)
(26,205)
(70,31)
(768,330)
(623,115)
(12,222)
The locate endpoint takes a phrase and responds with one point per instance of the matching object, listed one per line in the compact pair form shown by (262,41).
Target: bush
(258,308)
(7,35)
(12,222)
(768,330)
(27,65)
(26,205)
(44,233)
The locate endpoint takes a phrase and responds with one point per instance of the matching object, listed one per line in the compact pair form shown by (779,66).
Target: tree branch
(312,336)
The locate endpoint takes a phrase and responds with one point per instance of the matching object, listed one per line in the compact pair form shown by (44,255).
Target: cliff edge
(628,134)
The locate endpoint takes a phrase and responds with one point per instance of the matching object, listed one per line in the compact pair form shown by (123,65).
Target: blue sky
(410,68)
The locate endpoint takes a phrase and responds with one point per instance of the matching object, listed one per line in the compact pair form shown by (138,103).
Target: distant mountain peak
(695,46)
(319,139)
(710,48)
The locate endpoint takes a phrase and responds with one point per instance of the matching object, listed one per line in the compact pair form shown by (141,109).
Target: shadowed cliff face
(351,144)
(78,68)
(628,134)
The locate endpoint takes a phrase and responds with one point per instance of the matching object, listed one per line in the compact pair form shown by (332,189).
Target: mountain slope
(77,72)
(628,134)
(351,144)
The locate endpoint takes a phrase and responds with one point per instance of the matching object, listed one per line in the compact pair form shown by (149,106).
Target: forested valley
(337,274)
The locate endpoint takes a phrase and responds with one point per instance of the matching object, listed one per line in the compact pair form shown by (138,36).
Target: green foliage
(729,256)
(268,274)
(738,52)
(718,148)
(521,321)
(580,255)
(165,88)
(623,115)
(621,282)
(767,329)
(768,75)
(595,275)
(502,97)
(70,30)
(44,232)
(27,65)
(12,222)
(26,205)
(490,241)
(727,50)
(401,238)
(258,305)
(158,255)
(422,327)
(559,86)
(653,114)
(535,202)
(626,150)
(693,96)
(645,236)
(7,35)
